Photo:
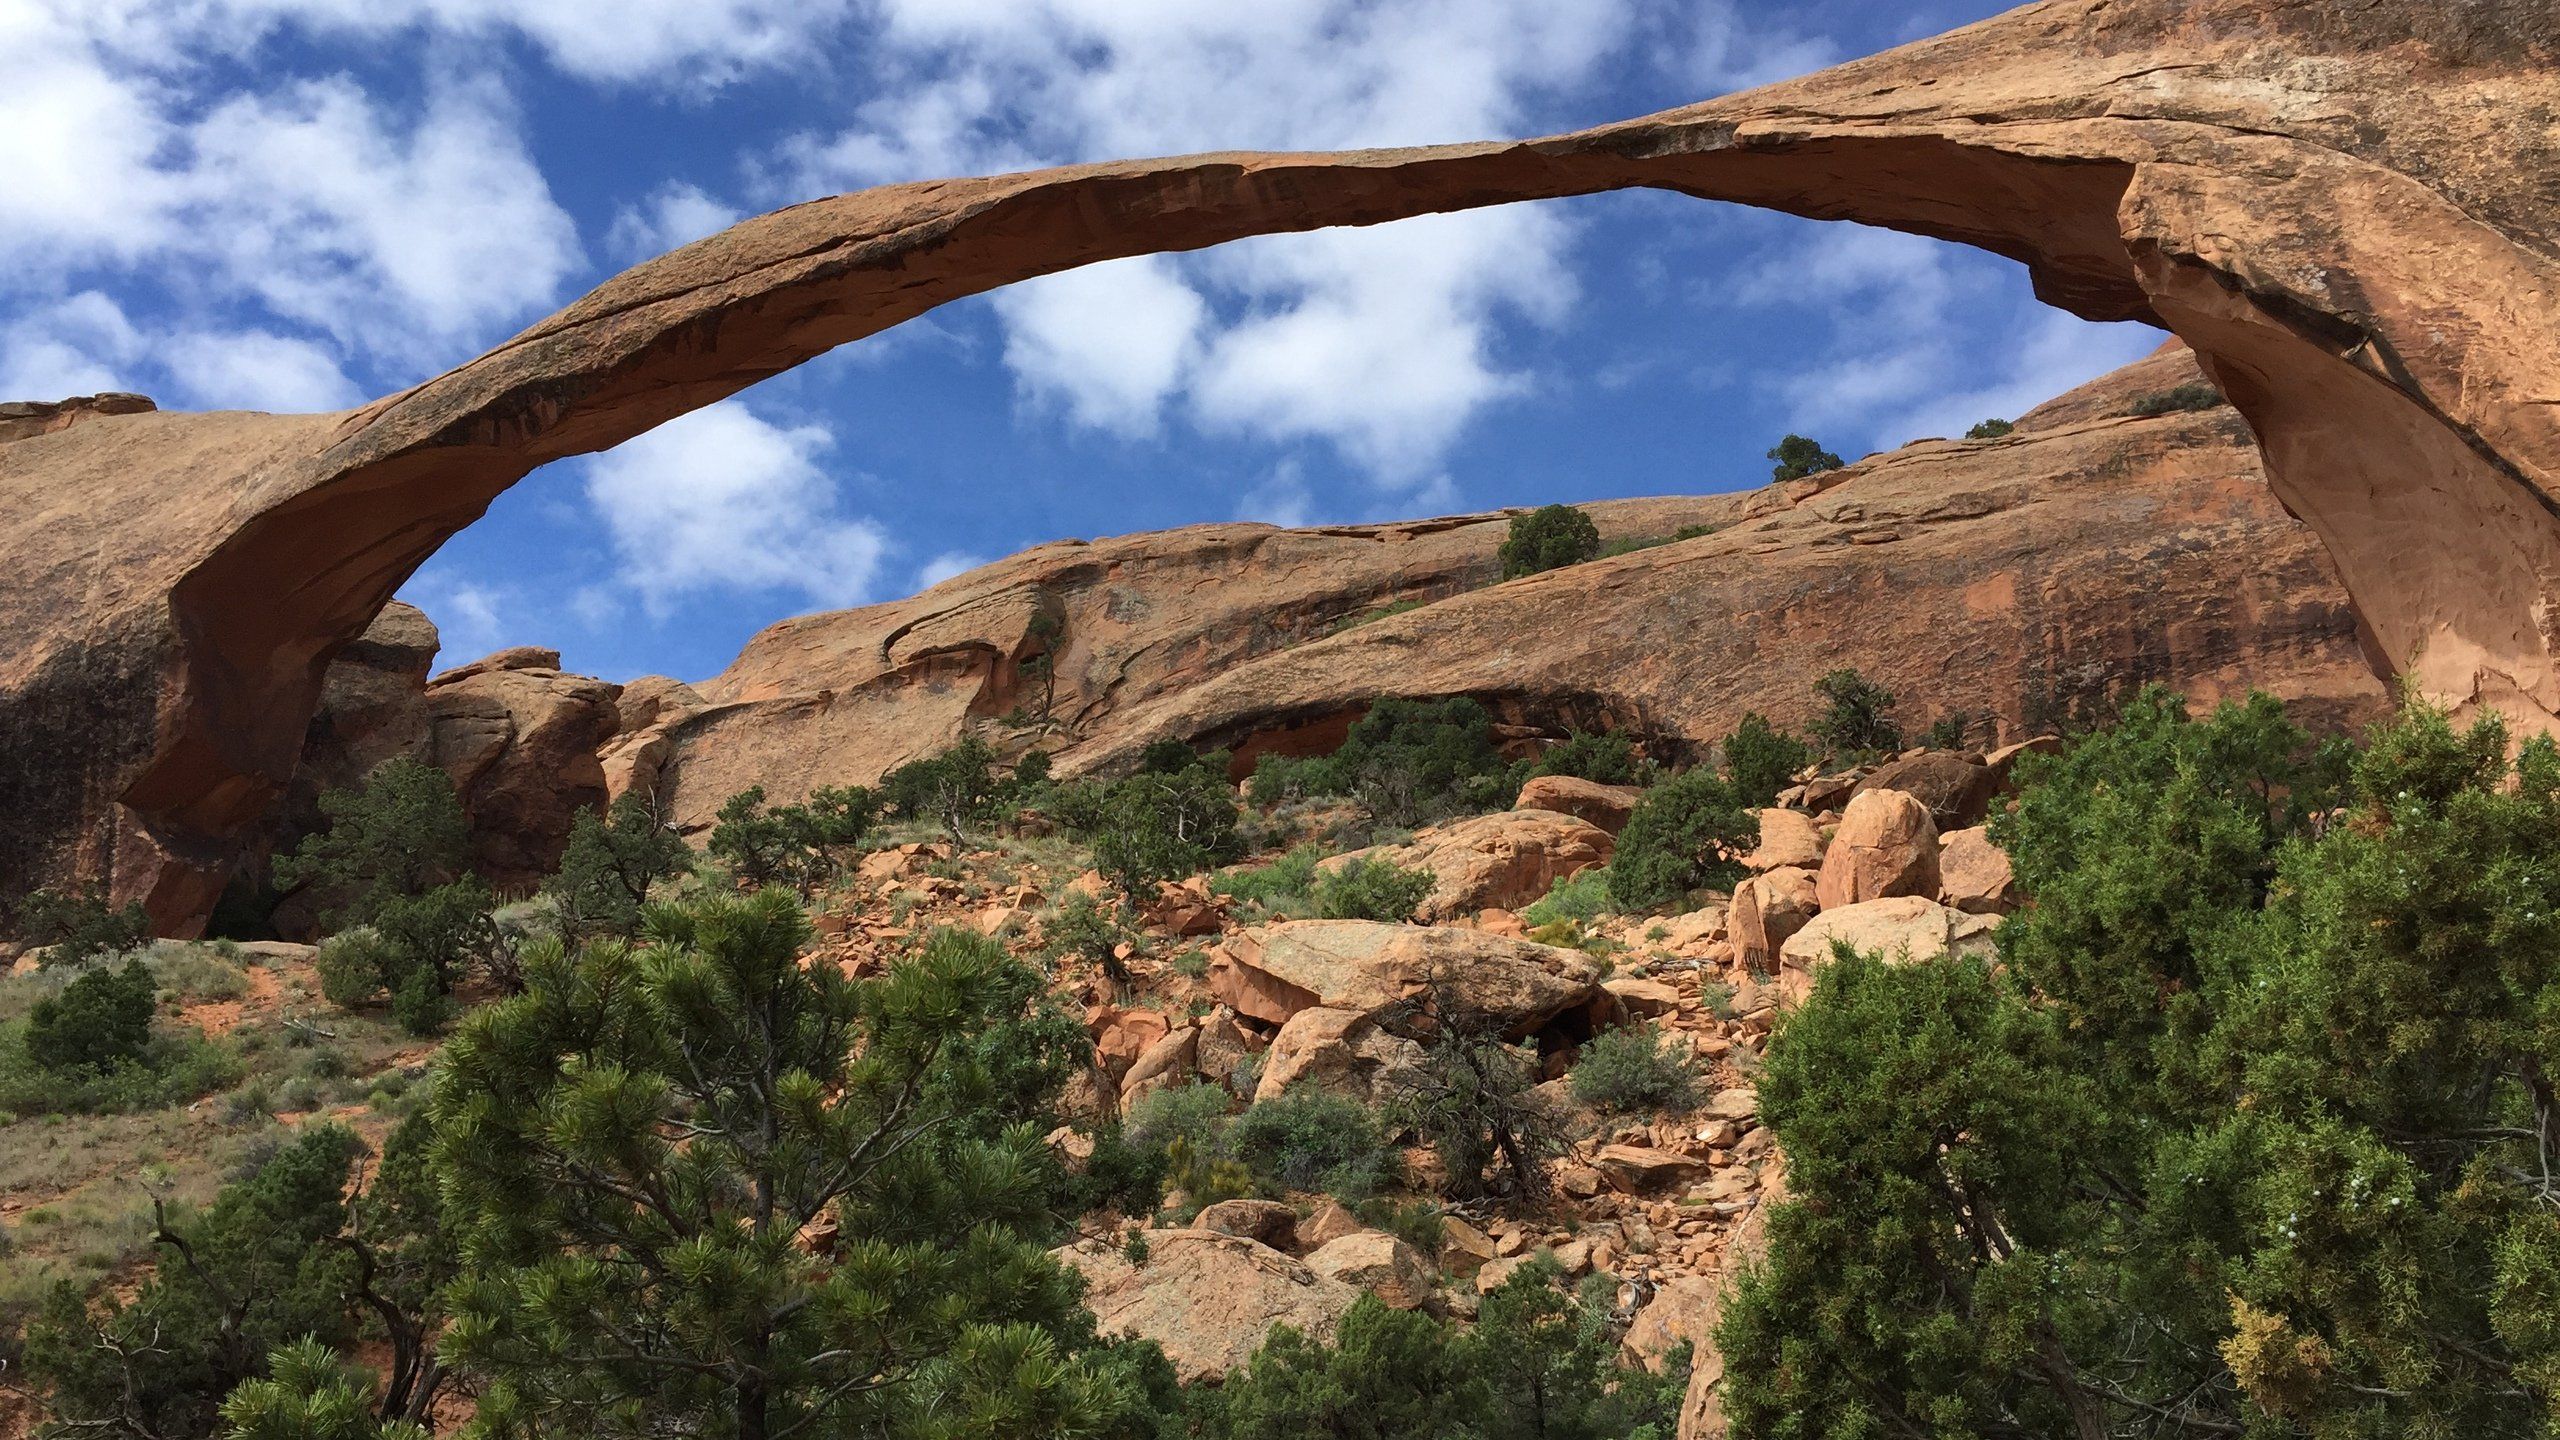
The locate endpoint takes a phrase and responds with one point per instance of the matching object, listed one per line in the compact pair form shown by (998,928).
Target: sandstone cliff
(2020,581)
(2351,212)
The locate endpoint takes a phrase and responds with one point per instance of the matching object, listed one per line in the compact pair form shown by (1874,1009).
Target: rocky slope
(2352,212)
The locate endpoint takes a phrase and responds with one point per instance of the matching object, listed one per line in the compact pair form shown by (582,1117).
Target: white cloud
(1910,321)
(724,500)
(1110,341)
(256,370)
(77,346)
(677,213)
(946,565)
(1383,343)
(1726,53)
(470,618)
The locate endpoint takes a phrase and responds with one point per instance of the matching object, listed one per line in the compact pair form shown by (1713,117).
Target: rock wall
(2351,212)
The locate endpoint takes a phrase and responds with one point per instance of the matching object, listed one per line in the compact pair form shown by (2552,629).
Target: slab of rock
(1209,1299)
(1270,1221)
(1644,1170)
(1606,806)
(1974,874)
(1342,1051)
(1643,999)
(1328,1222)
(1501,861)
(1903,927)
(1787,837)
(1886,845)
(1381,1264)
(1684,1310)
(1766,910)
(1956,788)
(1272,972)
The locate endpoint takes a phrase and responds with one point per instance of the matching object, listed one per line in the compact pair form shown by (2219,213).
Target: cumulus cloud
(946,565)
(1905,324)
(87,343)
(1383,343)
(726,500)
(471,618)
(677,213)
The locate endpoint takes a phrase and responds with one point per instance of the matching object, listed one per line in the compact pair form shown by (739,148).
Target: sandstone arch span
(2350,210)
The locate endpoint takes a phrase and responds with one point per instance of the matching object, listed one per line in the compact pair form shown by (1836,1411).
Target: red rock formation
(2350,212)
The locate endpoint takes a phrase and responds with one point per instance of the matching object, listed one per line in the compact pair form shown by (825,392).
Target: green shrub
(1541,1362)
(1161,824)
(1578,900)
(1311,1139)
(1364,889)
(80,927)
(1417,1223)
(953,789)
(1606,757)
(1548,538)
(2192,396)
(99,1022)
(1799,457)
(1085,928)
(1762,759)
(1285,881)
(1472,1096)
(1278,779)
(1631,1071)
(1990,430)
(351,965)
(801,845)
(1688,832)
(1649,542)
(1408,761)
(1857,717)
(1949,732)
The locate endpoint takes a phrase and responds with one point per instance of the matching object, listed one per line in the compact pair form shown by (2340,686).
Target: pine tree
(707,1190)
(611,865)
(398,835)
(1548,538)
(1689,831)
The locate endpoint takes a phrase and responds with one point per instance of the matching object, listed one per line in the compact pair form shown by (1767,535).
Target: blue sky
(299,204)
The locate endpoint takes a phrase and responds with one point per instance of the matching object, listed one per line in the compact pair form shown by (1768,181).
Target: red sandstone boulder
(1886,845)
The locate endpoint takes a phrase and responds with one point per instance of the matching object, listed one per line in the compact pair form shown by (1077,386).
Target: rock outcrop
(1273,972)
(1207,1298)
(2351,213)
(1501,861)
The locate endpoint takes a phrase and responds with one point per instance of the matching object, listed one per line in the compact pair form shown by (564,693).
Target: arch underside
(2387,331)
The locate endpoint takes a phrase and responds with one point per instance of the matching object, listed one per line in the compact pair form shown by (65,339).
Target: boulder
(1787,837)
(1272,972)
(1121,1034)
(1766,909)
(1886,845)
(1642,999)
(1974,874)
(1328,1222)
(1956,788)
(1171,1061)
(520,739)
(1269,1221)
(1683,1310)
(1381,1264)
(1644,1170)
(1605,806)
(1343,1051)
(1209,1299)
(1493,862)
(1902,927)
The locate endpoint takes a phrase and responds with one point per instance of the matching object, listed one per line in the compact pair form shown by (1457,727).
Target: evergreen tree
(1798,457)
(399,835)
(100,1021)
(1548,538)
(2249,1132)
(611,864)
(1691,830)
(645,1149)
(1857,717)
(952,789)
(309,1394)
(1762,759)
(254,1273)
(78,926)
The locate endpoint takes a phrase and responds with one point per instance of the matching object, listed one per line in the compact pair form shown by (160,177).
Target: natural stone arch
(2348,212)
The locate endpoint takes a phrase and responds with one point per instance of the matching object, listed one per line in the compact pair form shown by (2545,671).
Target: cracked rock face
(2351,212)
